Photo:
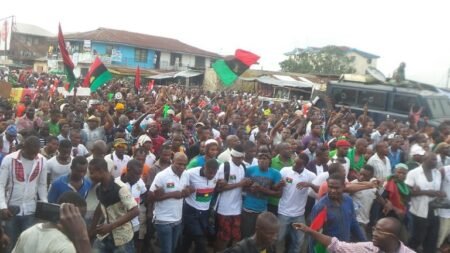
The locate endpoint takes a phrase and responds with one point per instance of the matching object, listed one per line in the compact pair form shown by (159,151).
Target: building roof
(139,40)
(32,30)
(346,49)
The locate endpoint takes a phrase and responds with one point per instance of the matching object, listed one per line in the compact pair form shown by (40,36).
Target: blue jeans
(16,225)
(168,235)
(296,236)
(107,246)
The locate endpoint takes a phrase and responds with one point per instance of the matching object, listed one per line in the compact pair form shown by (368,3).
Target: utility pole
(5,27)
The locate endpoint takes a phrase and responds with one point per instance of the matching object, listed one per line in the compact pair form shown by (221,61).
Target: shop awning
(188,73)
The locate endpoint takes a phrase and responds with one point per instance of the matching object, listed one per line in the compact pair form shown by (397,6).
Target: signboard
(105,59)
(5,33)
(5,89)
(116,55)
(52,64)
(87,45)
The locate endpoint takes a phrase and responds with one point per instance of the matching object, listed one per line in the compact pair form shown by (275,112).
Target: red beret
(343,144)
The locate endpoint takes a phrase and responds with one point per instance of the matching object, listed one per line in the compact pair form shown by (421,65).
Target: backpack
(212,228)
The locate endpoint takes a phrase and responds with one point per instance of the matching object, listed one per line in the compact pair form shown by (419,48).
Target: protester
(68,235)
(17,193)
(74,181)
(385,239)
(264,238)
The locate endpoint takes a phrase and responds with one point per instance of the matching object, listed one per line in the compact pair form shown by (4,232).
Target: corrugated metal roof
(32,30)
(139,40)
(281,83)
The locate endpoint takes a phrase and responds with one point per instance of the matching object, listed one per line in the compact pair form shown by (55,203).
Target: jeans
(248,223)
(296,236)
(195,229)
(425,232)
(16,225)
(107,246)
(168,235)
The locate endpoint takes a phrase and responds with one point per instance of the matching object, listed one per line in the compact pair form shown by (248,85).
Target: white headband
(236,153)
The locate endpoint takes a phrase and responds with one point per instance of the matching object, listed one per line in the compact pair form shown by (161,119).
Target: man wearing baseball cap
(10,139)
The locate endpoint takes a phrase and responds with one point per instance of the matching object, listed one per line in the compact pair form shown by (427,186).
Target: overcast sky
(416,32)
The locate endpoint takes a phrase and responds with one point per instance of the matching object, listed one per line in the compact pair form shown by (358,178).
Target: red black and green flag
(230,68)
(317,224)
(204,195)
(97,76)
(68,64)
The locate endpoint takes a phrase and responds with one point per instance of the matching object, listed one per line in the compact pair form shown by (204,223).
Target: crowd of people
(186,170)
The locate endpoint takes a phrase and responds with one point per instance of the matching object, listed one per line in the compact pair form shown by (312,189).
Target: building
(122,51)
(360,60)
(27,44)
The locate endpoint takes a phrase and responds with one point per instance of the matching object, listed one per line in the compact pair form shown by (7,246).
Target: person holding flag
(68,64)
(335,214)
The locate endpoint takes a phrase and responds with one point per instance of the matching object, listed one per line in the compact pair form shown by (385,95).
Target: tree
(329,60)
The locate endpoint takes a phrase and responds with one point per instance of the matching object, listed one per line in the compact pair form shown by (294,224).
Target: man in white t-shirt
(132,179)
(229,203)
(444,214)
(59,165)
(425,184)
(291,208)
(78,149)
(168,190)
(363,200)
(196,207)
(380,162)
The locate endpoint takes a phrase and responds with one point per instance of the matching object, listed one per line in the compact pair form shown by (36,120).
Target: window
(200,62)
(175,58)
(403,103)
(369,61)
(108,50)
(375,100)
(140,55)
(437,106)
(344,96)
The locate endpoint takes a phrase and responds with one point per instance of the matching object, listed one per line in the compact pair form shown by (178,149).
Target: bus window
(403,103)
(375,100)
(435,108)
(343,96)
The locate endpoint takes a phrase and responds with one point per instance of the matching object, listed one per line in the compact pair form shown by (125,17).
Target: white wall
(360,63)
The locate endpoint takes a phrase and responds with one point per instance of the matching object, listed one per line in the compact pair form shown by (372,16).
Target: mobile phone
(47,211)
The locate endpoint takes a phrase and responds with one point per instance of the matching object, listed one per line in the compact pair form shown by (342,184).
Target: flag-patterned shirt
(204,189)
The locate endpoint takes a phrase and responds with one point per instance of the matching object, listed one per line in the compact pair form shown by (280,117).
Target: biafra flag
(317,224)
(98,75)
(68,64)
(204,195)
(230,68)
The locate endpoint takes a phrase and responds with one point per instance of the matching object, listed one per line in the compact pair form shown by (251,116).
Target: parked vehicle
(391,100)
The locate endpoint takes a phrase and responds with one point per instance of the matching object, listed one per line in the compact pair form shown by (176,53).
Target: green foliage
(329,60)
